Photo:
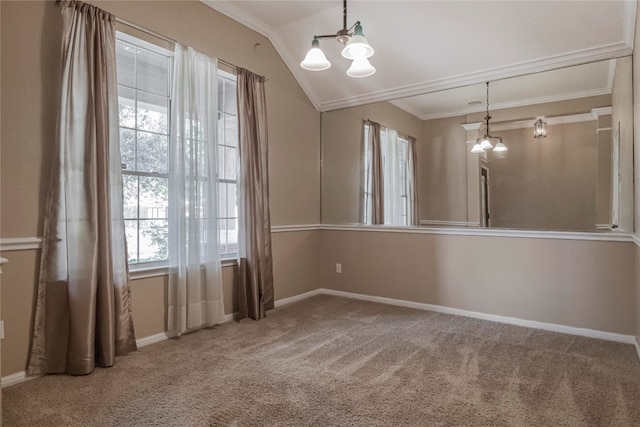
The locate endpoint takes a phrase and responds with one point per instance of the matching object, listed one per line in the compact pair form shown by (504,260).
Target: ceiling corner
(298,74)
(227,8)
(629,25)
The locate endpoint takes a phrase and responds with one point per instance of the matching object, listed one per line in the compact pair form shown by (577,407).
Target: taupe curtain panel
(83,314)
(414,213)
(377,178)
(255,283)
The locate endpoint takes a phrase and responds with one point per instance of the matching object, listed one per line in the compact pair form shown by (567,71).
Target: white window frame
(144,45)
(155,268)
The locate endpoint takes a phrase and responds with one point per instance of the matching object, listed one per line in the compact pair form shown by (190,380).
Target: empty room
(319,213)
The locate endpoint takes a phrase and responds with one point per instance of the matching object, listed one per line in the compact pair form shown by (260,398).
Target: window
(144,81)
(396,172)
(144,73)
(228,164)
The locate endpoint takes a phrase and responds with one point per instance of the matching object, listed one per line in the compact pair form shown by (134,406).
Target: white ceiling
(426,46)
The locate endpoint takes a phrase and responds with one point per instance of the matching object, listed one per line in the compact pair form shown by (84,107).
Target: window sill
(163,270)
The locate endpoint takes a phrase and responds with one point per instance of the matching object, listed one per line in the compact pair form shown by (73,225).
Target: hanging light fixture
(484,143)
(357,49)
(540,129)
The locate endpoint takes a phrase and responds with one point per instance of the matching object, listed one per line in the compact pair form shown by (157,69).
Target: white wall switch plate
(339,268)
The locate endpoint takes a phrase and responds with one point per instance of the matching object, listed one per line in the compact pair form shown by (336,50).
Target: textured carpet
(330,361)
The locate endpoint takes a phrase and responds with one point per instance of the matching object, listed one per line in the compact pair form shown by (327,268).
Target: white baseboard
(296,298)
(17,378)
(20,377)
(143,342)
(553,327)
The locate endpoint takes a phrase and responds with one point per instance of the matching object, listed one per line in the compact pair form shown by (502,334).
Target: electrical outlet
(338,268)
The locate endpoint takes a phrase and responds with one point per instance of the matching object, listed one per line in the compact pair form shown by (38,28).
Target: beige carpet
(329,361)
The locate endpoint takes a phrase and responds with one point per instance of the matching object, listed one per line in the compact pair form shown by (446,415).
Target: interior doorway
(485,215)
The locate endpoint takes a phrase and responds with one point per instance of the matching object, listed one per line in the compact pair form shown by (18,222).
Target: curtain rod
(405,135)
(160,36)
(165,38)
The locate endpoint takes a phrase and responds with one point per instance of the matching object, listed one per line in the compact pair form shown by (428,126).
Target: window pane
(128,149)
(152,113)
(228,235)
(230,163)
(125,61)
(230,104)
(231,131)
(222,200)
(154,240)
(152,153)
(126,107)
(154,200)
(152,73)
(130,196)
(131,233)
(231,201)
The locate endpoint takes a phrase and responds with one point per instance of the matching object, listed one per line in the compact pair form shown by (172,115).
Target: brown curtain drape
(255,278)
(83,315)
(377,177)
(414,213)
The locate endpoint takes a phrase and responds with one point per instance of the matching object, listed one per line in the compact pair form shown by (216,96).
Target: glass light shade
(540,129)
(315,59)
(361,67)
(358,47)
(477,149)
(485,143)
(500,147)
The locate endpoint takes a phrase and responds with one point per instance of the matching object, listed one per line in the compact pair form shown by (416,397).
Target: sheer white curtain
(394,180)
(195,281)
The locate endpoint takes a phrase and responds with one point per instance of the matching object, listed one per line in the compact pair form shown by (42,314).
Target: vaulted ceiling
(427,46)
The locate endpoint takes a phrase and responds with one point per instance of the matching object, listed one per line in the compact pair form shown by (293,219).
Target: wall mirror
(577,178)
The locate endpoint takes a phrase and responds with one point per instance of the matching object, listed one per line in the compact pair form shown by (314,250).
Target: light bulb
(358,46)
(500,147)
(361,67)
(485,143)
(315,59)
(477,149)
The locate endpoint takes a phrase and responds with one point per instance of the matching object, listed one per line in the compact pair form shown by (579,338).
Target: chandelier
(356,48)
(539,129)
(484,143)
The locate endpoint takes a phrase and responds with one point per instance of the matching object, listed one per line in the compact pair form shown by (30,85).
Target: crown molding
(610,51)
(227,8)
(579,57)
(552,121)
(523,103)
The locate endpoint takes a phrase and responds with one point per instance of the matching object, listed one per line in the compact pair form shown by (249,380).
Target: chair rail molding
(8,244)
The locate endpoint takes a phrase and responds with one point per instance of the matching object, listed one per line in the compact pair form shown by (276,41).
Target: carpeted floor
(330,361)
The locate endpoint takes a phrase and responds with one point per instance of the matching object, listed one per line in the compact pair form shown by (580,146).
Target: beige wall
(342,151)
(29,82)
(547,184)
(622,113)
(442,169)
(586,284)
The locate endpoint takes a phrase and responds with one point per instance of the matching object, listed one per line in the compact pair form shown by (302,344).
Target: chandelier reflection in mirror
(539,129)
(357,49)
(484,143)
